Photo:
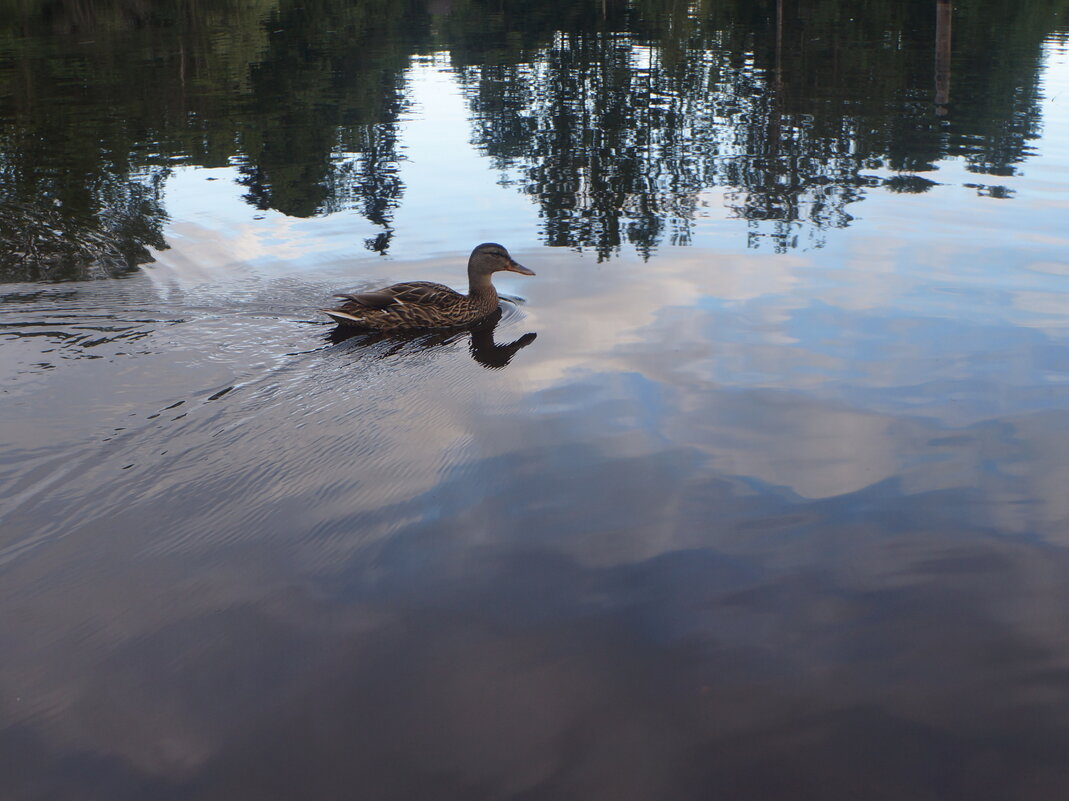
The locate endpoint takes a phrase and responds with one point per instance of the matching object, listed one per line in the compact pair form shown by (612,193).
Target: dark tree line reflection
(616,117)
(787,108)
(99,101)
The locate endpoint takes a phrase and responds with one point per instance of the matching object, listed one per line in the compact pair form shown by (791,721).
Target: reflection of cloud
(868,277)
(202,255)
(817,450)
(1051,267)
(598,308)
(1053,307)
(1035,457)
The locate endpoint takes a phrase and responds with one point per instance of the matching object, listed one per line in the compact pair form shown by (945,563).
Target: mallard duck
(424,304)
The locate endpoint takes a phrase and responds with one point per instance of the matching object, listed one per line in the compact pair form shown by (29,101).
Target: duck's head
(491,257)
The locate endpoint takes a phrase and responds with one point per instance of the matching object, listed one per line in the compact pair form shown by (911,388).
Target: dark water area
(757,490)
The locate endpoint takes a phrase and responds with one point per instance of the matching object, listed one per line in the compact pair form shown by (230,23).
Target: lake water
(758,490)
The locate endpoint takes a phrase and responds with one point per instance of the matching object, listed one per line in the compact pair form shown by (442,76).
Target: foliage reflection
(616,118)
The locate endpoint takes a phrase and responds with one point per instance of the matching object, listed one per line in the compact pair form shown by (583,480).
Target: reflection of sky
(452,195)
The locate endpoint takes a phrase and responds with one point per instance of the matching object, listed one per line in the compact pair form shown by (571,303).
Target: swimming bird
(425,304)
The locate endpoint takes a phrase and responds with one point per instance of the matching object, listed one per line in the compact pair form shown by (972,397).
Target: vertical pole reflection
(943,13)
(779,42)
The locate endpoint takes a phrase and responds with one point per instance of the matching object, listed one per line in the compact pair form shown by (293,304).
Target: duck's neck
(481,289)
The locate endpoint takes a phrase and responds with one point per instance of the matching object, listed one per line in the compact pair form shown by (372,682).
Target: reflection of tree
(617,127)
(619,117)
(99,99)
(39,243)
(325,108)
(96,102)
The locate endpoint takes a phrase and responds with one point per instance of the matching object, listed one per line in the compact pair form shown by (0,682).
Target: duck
(414,305)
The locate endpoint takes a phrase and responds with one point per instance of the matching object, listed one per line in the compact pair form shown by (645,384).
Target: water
(757,489)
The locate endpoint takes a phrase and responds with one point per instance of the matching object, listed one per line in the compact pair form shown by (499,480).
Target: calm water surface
(757,491)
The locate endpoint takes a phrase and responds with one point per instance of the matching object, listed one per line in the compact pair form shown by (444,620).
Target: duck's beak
(516,267)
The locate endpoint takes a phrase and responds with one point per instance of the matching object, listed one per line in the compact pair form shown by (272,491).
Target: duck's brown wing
(420,293)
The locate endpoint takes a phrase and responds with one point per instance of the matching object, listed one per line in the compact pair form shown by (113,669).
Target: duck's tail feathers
(343,318)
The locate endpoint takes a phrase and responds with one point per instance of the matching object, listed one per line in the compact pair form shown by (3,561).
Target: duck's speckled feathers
(413,304)
(426,292)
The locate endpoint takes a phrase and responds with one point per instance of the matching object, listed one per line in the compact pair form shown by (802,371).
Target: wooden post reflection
(779,42)
(943,13)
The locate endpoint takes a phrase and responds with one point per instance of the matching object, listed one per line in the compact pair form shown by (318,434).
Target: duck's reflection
(484,349)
